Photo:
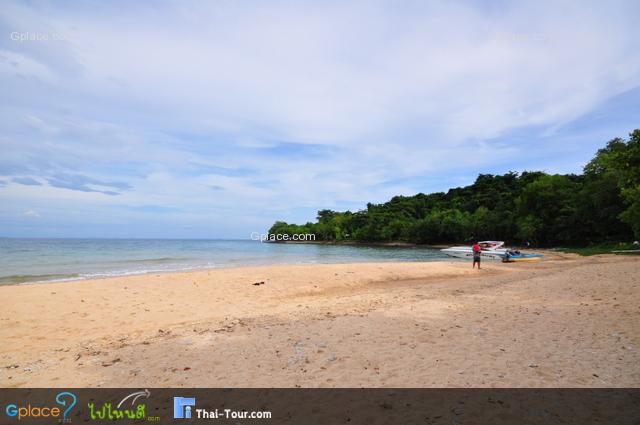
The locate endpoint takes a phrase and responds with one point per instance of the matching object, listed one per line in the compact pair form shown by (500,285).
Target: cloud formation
(31,214)
(28,181)
(215,119)
(86,184)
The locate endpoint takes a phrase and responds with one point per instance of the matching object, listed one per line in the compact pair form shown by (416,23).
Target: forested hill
(601,204)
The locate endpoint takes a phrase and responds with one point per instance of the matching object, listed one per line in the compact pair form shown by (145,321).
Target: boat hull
(462,252)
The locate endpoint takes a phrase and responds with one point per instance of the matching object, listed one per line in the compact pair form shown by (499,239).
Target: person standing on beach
(477,253)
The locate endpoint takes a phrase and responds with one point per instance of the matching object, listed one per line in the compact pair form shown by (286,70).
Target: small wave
(31,278)
(117,273)
(44,278)
(160,260)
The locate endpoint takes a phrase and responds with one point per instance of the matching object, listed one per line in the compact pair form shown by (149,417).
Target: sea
(40,260)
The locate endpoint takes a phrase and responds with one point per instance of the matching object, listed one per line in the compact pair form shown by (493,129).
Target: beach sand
(564,322)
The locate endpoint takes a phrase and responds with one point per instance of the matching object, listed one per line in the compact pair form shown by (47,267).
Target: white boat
(491,250)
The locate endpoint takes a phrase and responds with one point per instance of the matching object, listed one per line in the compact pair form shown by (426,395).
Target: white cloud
(31,214)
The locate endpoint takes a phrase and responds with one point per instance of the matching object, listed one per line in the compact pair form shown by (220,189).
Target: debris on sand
(111,363)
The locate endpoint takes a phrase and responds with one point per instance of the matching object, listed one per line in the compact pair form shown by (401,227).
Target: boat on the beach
(517,256)
(492,250)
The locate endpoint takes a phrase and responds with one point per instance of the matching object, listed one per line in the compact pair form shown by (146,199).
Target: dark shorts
(476,258)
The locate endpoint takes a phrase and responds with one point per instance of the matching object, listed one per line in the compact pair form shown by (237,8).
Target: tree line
(601,204)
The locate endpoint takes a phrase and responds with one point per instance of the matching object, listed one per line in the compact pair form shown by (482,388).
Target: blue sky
(214,119)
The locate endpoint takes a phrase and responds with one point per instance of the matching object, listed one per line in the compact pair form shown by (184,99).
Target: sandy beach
(564,322)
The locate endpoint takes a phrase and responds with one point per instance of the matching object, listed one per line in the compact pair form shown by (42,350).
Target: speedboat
(491,250)
(517,256)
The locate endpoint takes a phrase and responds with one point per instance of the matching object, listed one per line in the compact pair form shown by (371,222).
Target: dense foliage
(602,204)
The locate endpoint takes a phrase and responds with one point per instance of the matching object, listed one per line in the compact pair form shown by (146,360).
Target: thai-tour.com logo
(64,403)
(185,408)
(130,407)
(182,407)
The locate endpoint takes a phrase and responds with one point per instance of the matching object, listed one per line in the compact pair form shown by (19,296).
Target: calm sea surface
(32,260)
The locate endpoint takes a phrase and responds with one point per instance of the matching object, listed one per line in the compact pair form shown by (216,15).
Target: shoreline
(547,253)
(225,267)
(84,259)
(53,275)
(332,325)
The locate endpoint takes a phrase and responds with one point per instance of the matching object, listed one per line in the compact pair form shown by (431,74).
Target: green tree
(552,199)
(619,162)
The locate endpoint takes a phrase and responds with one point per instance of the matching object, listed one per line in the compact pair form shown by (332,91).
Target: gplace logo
(65,399)
(182,407)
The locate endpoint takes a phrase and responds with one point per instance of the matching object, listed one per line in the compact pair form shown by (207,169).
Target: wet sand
(564,322)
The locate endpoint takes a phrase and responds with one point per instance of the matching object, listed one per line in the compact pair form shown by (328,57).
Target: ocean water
(35,260)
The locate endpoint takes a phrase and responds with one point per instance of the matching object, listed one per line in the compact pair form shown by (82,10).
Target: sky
(213,119)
